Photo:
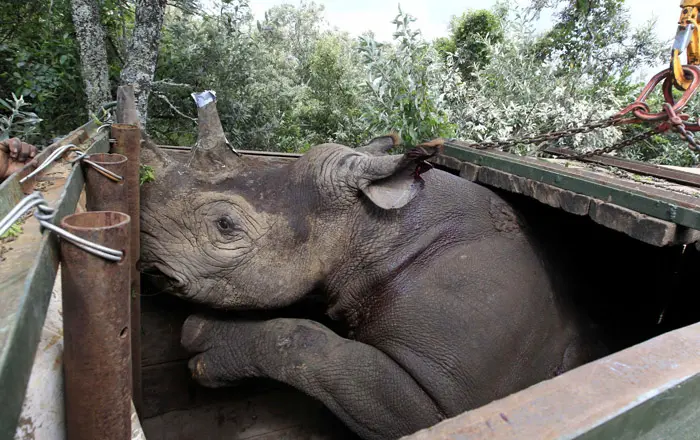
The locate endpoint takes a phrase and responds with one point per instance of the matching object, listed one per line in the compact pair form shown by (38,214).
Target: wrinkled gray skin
(449,303)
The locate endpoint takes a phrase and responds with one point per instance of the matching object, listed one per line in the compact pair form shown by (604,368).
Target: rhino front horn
(212,150)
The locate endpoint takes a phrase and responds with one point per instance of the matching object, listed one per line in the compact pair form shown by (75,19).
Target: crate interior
(632,292)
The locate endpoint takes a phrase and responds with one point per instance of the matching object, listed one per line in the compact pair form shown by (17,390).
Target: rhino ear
(391,182)
(381,145)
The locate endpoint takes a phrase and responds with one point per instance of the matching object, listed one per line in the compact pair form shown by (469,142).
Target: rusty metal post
(97,351)
(126,105)
(103,194)
(128,143)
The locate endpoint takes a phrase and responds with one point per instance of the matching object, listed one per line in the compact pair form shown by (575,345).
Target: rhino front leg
(368,391)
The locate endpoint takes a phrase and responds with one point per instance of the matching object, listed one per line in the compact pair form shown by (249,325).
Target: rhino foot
(363,387)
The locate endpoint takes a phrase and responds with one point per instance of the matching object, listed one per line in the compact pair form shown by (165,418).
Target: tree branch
(175,109)
(156,84)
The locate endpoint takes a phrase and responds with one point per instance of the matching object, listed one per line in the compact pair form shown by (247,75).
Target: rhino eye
(225,224)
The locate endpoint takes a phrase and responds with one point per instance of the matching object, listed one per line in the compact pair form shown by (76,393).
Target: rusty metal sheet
(610,395)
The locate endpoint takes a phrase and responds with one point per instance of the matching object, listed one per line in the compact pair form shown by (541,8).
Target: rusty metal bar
(128,143)
(635,166)
(103,194)
(97,351)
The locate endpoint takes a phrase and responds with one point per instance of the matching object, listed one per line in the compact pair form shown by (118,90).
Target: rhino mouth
(161,279)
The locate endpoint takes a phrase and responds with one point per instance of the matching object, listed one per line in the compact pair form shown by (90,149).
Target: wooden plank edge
(642,227)
(243,152)
(638,226)
(661,204)
(648,229)
(674,174)
(503,160)
(17,356)
(599,396)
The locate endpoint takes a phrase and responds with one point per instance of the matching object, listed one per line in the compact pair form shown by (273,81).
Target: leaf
(62,60)
(29,121)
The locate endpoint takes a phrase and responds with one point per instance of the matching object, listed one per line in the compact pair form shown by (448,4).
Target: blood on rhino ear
(390,182)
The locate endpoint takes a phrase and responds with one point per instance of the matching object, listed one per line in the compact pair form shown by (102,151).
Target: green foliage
(39,53)
(520,93)
(146,174)
(401,87)
(15,122)
(40,60)
(282,84)
(14,231)
(517,95)
(596,38)
(289,81)
(470,35)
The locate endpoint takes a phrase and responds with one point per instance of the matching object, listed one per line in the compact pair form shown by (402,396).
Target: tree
(470,35)
(283,84)
(294,31)
(517,94)
(143,52)
(596,38)
(93,55)
(40,63)
(401,87)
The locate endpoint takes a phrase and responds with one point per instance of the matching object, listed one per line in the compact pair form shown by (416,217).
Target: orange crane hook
(687,38)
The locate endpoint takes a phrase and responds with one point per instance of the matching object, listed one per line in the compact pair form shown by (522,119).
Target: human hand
(14,154)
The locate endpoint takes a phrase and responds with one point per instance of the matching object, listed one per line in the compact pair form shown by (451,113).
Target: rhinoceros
(448,298)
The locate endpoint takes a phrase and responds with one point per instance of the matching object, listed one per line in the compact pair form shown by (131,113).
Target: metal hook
(49,160)
(99,168)
(45,214)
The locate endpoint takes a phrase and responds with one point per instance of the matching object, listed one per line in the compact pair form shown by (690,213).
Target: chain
(688,137)
(547,137)
(617,146)
(669,119)
(604,123)
(675,122)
